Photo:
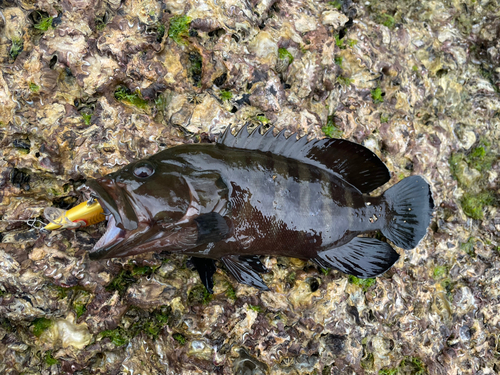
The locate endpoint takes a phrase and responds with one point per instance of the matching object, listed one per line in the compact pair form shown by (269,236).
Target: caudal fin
(410,203)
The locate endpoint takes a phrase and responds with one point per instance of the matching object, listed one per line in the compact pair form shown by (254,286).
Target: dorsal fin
(350,161)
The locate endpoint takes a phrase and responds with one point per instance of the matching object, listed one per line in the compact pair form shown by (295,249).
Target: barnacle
(195,98)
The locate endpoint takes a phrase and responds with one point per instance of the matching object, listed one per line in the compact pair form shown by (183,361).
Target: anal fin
(206,268)
(362,257)
(243,271)
(254,263)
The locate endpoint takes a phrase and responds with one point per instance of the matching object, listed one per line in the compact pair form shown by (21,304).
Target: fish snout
(106,182)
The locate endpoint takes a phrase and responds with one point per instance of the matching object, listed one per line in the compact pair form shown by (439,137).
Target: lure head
(86,213)
(138,200)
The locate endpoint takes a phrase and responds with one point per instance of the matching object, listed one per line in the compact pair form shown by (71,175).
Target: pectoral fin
(206,268)
(243,271)
(211,228)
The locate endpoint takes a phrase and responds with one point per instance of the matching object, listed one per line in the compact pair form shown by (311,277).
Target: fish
(259,194)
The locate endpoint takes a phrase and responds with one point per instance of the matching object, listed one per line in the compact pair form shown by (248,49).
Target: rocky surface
(88,86)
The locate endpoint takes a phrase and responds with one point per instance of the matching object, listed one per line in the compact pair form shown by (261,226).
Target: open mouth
(112,236)
(116,231)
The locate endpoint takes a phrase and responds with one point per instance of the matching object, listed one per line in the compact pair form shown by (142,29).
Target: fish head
(137,200)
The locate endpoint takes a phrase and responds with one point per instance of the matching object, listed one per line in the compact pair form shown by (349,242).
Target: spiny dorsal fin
(350,161)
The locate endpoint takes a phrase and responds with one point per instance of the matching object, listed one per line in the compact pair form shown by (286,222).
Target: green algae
(179,338)
(80,309)
(34,88)
(44,23)
(124,95)
(80,302)
(377,95)
(386,20)
(439,272)
(412,365)
(448,287)
(161,102)
(473,204)
(255,308)
(262,119)
(151,326)
(100,22)
(86,118)
(335,4)
(470,170)
(330,129)
(392,371)
(468,247)
(160,32)
(409,365)
(178,29)
(343,43)
(225,95)
(122,281)
(351,42)
(199,295)
(365,284)
(142,271)
(195,68)
(129,276)
(344,81)
(368,361)
(78,296)
(230,292)
(339,42)
(117,336)
(40,325)
(50,360)
(16,48)
(284,54)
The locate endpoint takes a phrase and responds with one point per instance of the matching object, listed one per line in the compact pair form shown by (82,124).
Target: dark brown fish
(253,194)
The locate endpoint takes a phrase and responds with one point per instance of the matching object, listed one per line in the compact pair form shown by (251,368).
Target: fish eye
(144,169)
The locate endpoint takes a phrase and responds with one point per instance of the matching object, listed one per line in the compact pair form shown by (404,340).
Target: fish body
(251,194)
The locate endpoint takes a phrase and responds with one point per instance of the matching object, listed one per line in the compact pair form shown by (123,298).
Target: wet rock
(416,83)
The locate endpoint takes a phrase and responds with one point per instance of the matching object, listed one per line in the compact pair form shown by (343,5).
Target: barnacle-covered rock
(89,86)
(6,103)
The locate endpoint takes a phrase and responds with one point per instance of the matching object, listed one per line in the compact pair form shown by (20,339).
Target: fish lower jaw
(112,237)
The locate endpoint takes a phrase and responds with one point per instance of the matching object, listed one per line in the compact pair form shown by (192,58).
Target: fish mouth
(122,223)
(111,238)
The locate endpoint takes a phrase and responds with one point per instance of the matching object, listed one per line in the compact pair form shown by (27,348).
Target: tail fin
(411,204)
